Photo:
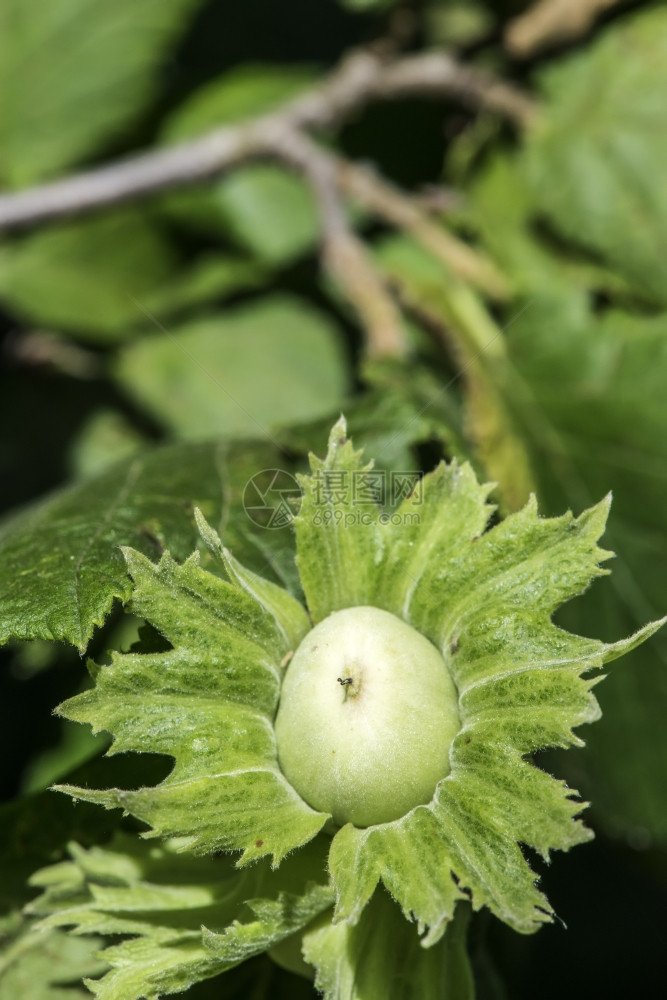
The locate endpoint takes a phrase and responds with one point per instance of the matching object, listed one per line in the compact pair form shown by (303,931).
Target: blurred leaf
(463,325)
(382,956)
(211,276)
(82,276)
(60,565)
(183,919)
(267,209)
(500,207)
(403,406)
(42,965)
(106,438)
(500,210)
(76,746)
(79,276)
(33,832)
(458,22)
(592,399)
(239,94)
(33,657)
(363,5)
(74,74)
(593,159)
(198,381)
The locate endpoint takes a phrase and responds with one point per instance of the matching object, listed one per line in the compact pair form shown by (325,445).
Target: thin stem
(394,206)
(344,255)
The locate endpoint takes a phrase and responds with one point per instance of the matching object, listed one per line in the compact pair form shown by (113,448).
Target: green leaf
(290,616)
(74,74)
(594,415)
(60,565)
(197,380)
(106,439)
(40,965)
(269,211)
(93,276)
(184,919)
(243,92)
(592,160)
(279,918)
(389,419)
(34,831)
(380,567)
(381,957)
(75,747)
(363,5)
(210,700)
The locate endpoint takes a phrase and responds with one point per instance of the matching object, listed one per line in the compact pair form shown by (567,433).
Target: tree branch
(392,205)
(344,255)
(362,78)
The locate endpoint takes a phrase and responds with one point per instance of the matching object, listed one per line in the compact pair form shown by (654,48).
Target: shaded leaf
(41,965)
(184,919)
(381,957)
(93,276)
(594,389)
